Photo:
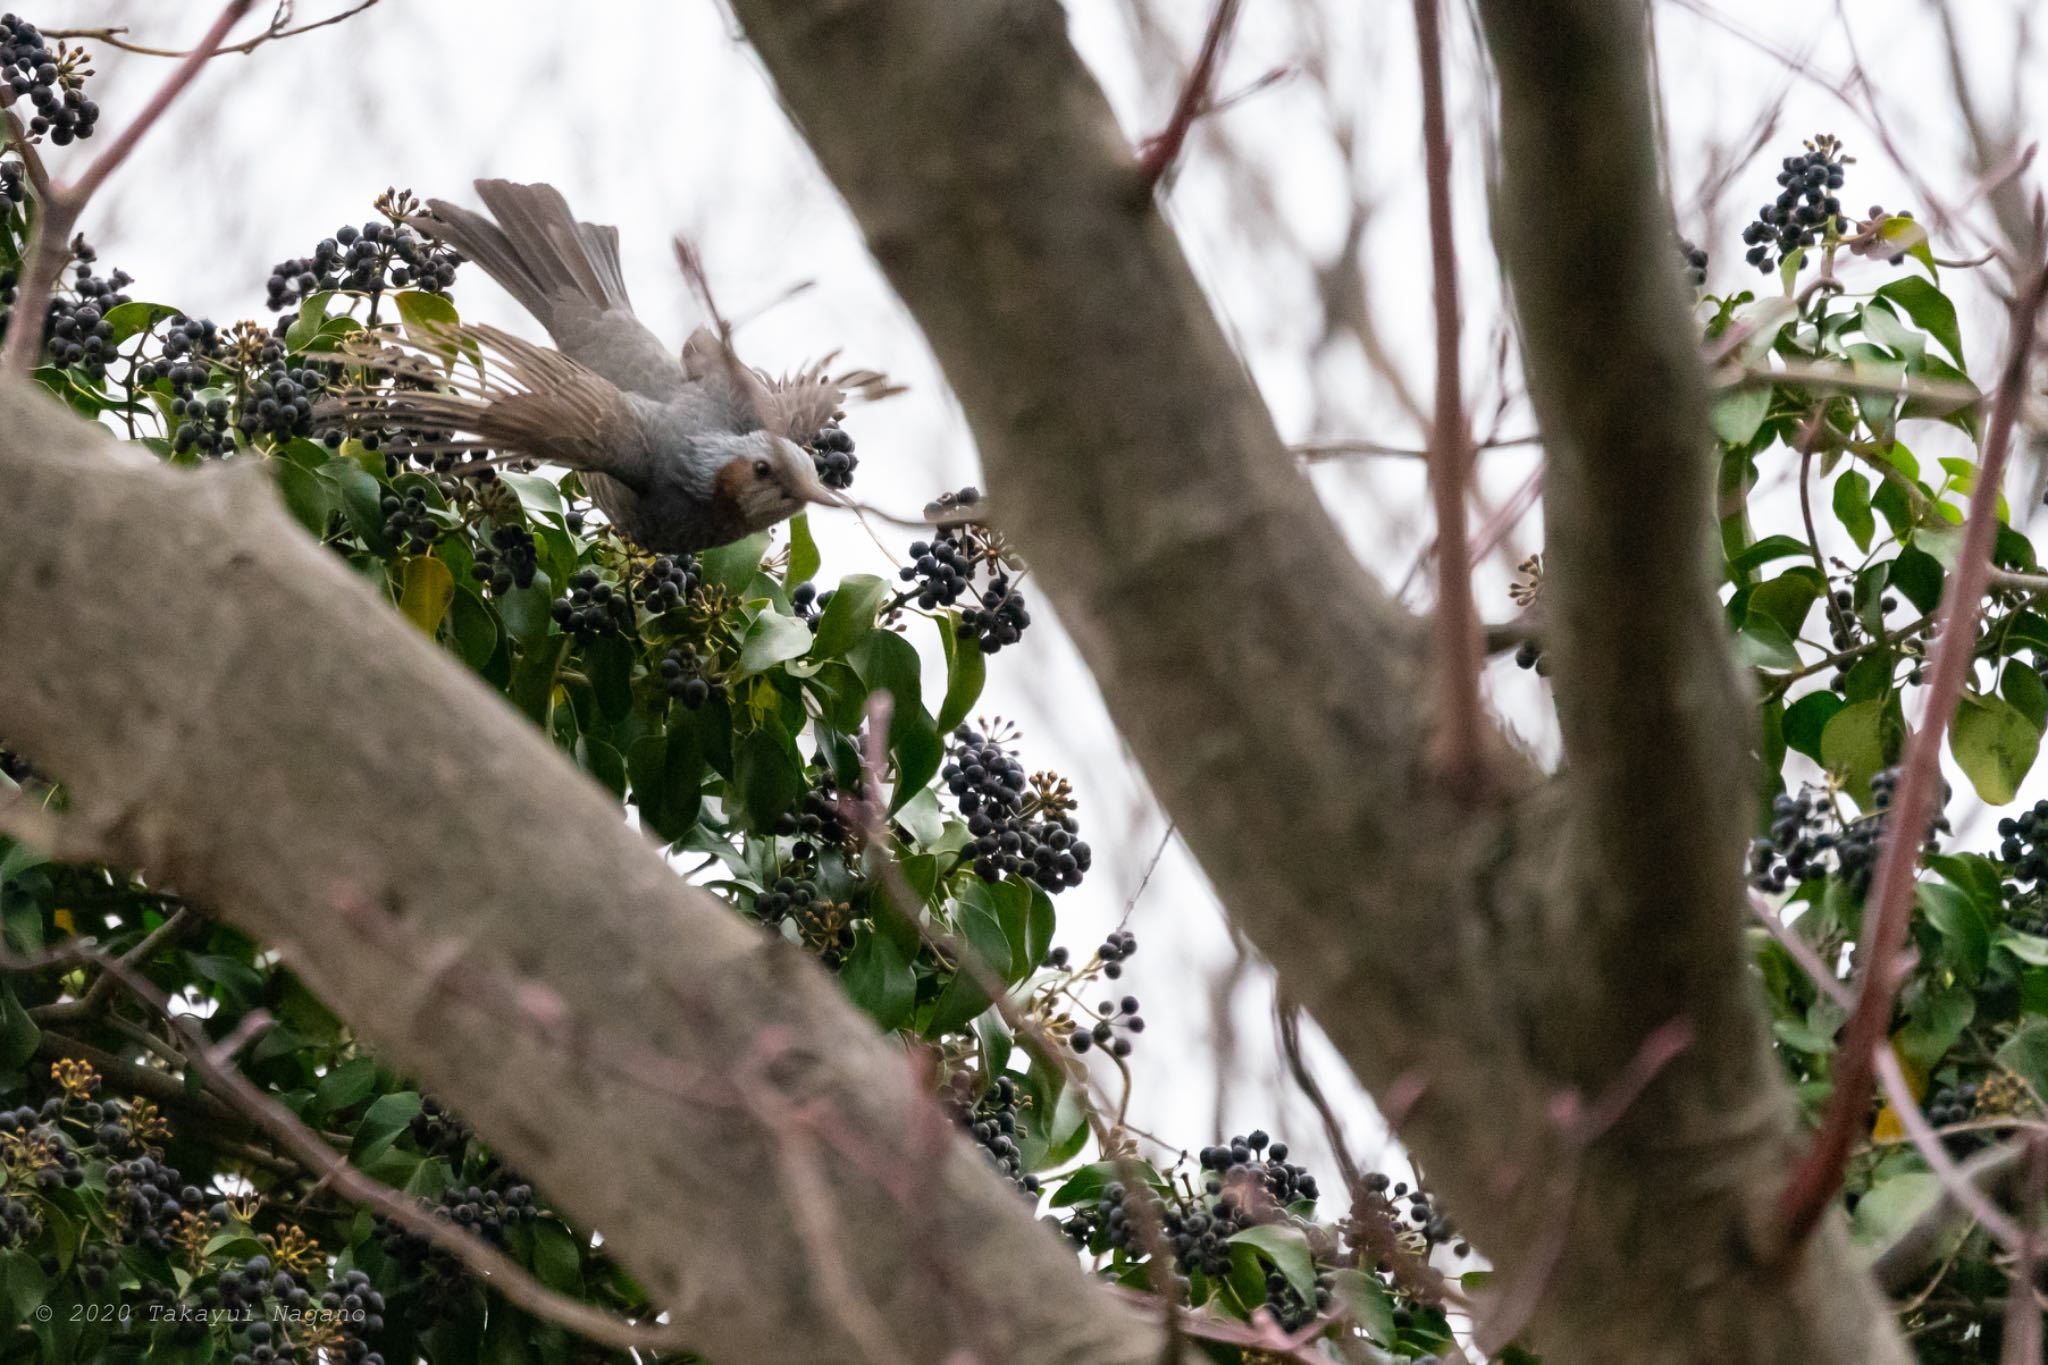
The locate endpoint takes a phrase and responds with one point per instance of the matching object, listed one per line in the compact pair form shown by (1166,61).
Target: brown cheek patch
(730,482)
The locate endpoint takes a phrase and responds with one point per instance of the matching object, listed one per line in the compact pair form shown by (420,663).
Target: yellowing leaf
(1888,1128)
(427,589)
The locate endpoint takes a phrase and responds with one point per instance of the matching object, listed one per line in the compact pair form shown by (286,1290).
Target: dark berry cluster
(145,1197)
(77,332)
(1425,1214)
(1287,1306)
(13,190)
(1200,1232)
(1115,1023)
(509,561)
(832,453)
(53,80)
(1115,949)
(682,677)
(409,521)
(785,896)
(820,822)
(941,572)
(1803,830)
(592,608)
(1952,1104)
(382,254)
(1806,207)
(992,1121)
(822,925)
(2023,844)
(1256,1159)
(1808,838)
(940,568)
(1695,259)
(488,1207)
(668,581)
(353,1304)
(1022,826)
(277,399)
(437,1132)
(1000,619)
(187,344)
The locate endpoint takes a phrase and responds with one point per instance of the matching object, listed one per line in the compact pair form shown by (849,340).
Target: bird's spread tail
(536,249)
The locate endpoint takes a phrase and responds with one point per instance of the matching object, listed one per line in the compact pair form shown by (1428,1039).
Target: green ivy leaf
(427,317)
(306,326)
(767,774)
(22,1287)
(18,1033)
(2022,686)
(557,1259)
(1965,932)
(848,617)
(541,499)
(1763,643)
(1917,575)
(1286,1248)
(1856,742)
(1930,310)
(966,673)
(1365,1301)
(1852,507)
(346,1085)
(1994,744)
(1737,416)
(773,639)
(804,559)
(1806,718)
(133,318)
(387,1117)
(733,566)
(1892,1205)
(878,978)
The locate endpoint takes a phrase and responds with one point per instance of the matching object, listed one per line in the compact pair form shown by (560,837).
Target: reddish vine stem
(1460,650)
(1157,156)
(58,207)
(1819,1176)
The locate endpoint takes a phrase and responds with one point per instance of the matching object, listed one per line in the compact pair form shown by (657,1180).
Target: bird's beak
(803,480)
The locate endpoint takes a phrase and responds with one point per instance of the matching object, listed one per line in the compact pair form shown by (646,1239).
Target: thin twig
(59,207)
(111,36)
(1159,153)
(2022,1307)
(1457,741)
(1813,1186)
(86,1006)
(1315,452)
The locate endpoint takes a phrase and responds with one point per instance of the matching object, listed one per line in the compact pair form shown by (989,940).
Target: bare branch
(57,211)
(113,35)
(1156,158)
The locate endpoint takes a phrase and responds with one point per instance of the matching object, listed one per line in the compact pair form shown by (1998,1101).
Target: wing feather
(523,400)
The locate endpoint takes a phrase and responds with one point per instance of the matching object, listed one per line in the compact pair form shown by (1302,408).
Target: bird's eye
(761,470)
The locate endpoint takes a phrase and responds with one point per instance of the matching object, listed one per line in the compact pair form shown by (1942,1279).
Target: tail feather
(536,249)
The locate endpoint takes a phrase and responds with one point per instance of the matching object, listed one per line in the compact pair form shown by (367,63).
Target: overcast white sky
(652,115)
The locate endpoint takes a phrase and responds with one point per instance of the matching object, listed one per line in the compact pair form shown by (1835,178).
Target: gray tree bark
(238,715)
(1488,960)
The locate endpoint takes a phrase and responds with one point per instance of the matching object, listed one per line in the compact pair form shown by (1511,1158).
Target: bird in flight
(683,452)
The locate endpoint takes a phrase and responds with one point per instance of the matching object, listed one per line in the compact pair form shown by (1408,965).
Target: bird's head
(765,478)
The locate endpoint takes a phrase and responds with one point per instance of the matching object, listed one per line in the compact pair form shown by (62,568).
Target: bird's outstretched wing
(797,405)
(522,401)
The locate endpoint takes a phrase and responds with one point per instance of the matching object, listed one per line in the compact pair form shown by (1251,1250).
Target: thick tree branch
(266,734)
